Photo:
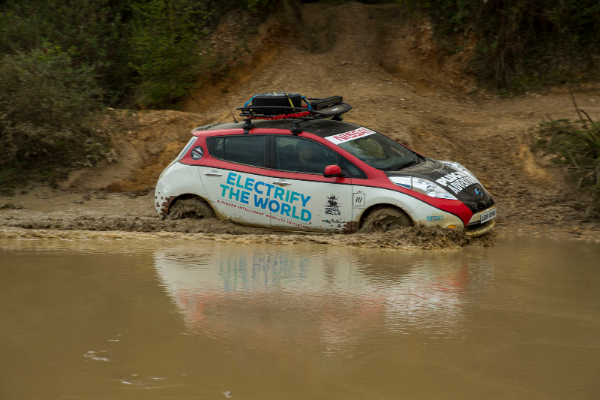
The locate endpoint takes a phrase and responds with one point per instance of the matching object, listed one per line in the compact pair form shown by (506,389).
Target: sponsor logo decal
(478,192)
(264,196)
(358,200)
(431,218)
(456,181)
(197,153)
(332,207)
(350,135)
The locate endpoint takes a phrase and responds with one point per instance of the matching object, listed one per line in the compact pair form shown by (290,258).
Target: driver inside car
(305,155)
(311,158)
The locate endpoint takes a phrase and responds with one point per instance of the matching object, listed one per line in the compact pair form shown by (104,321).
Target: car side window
(249,150)
(302,155)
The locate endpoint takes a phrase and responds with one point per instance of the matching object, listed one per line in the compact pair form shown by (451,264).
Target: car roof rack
(272,106)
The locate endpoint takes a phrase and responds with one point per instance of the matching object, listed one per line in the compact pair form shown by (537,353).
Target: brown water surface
(149,319)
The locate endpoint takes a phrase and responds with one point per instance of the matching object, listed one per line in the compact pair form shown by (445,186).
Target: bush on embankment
(575,145)
(46,112)
(521,44)
(145,51)
(63,61)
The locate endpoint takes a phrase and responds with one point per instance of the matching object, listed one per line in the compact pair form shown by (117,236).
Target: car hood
(472,194)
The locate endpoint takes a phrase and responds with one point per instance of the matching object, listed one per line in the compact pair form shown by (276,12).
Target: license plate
(488,215)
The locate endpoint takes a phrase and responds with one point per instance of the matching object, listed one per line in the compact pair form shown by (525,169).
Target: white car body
(267,197)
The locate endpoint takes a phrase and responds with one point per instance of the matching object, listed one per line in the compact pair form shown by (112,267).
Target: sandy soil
(391,72)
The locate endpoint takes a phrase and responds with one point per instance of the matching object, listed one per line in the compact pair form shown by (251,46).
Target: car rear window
(249,150)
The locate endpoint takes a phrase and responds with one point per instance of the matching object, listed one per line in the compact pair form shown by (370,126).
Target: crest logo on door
(332,207)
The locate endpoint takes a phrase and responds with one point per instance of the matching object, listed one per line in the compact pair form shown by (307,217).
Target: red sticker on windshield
(350,135)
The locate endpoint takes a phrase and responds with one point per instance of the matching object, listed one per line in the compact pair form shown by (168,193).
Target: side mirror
(333,171)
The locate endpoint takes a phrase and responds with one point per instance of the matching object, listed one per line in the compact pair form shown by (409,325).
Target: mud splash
(211,229)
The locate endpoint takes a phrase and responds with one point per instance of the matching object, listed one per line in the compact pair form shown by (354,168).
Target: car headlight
(460,168)
(423,186)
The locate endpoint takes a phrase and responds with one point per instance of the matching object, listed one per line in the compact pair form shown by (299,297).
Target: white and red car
(309,170)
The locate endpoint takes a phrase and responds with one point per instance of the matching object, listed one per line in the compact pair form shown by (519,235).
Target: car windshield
(380,152)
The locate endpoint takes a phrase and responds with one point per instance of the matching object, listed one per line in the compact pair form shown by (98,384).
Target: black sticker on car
(332,207)
(197,153)
(456,181)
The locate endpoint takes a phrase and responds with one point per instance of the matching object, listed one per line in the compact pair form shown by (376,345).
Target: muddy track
(43,212)
(421,238)
(388,67)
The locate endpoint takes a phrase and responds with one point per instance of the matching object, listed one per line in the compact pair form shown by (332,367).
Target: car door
(236,178)
(301,197)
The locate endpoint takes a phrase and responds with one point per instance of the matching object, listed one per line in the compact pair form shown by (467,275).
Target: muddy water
(151,319)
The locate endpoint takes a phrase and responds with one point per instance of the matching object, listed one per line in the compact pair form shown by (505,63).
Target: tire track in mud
(86,227)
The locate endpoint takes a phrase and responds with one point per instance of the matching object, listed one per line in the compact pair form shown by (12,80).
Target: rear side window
(249,150)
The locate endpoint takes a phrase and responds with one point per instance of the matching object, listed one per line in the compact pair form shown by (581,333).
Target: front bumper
(479,229)
(477,216)
(476,228)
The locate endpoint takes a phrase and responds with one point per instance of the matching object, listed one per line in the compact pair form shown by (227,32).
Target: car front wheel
(190,208)
(386,219)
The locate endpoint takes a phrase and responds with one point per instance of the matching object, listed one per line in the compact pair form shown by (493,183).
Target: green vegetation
(522,44)
(144,51)
(166,53)
(46,110)
(576,146)
(63,61)
(165,40)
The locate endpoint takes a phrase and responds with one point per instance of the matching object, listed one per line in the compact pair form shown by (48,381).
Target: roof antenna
(234,120)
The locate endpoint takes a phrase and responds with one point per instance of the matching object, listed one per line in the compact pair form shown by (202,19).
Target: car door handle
(213,174)
(282,183)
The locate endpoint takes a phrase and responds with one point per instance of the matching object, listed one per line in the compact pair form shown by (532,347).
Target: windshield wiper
(404,165)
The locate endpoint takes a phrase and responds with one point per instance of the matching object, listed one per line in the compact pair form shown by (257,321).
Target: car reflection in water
(294,297)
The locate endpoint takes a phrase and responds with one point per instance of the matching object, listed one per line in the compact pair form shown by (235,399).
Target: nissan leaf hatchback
(297,166)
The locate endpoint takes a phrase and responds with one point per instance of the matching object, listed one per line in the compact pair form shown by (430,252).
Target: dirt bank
(399,83)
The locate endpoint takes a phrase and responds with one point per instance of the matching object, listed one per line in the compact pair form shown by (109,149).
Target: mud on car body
(300,167)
